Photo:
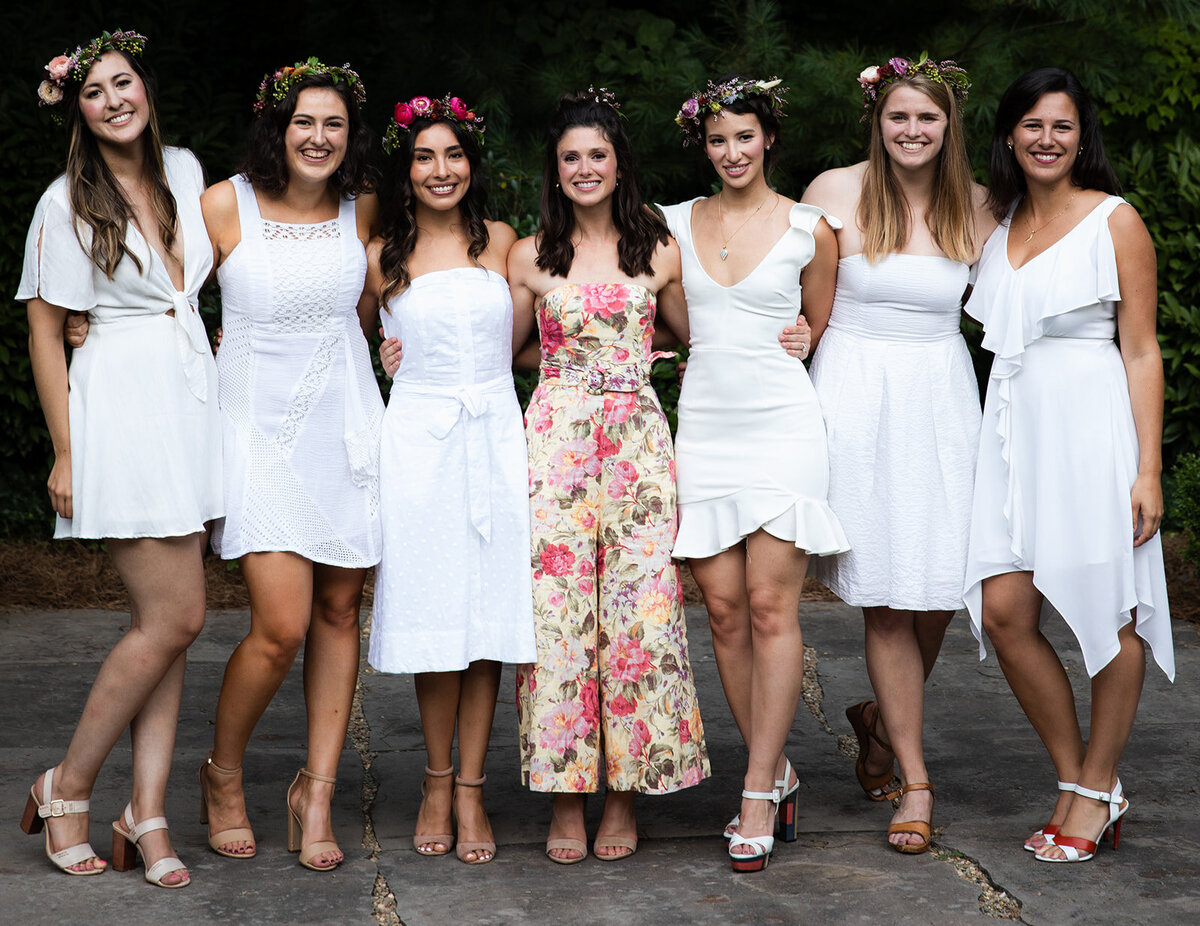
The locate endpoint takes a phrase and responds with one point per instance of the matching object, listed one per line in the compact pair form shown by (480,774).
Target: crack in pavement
(994,900)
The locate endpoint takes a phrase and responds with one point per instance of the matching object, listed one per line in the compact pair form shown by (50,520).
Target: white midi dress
(299,402)
(142,408)
(1058,451)
(901,405)
(750,448)
(454,585)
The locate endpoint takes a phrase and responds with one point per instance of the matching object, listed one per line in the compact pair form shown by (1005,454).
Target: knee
(338,612)
(1003,625)
(769,612)
(726,617)
(279,646)
(887,624)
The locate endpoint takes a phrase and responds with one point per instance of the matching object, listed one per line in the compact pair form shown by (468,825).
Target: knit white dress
(1058,452)
(901,406)
(454,585)
(299,402)
(750,449)
(145,429)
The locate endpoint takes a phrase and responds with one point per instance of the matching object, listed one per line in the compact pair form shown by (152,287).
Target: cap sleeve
(805,218)
(677,216)
(57,268)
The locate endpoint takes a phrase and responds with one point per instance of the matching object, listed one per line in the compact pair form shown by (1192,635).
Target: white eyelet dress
(299,402)
(750,450)
(142,409)
(1058,451)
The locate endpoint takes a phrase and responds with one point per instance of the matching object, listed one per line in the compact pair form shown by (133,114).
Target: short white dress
(750,448)
(1058,452)
(145,429)
(901,405)
(454,585)
(299,402)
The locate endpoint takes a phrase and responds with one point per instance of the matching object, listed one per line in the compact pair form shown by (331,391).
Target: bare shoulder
(836,190)
(501,234)
(219,200)
(667,258)
(985,220)
(1128,229)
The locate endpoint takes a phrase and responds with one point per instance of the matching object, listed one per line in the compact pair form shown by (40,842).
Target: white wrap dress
(1058,451)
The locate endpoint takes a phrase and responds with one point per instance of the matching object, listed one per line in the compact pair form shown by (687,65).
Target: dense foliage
(1141,59)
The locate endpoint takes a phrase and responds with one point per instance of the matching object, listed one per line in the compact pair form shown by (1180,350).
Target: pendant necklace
(721,221)
(1055,216)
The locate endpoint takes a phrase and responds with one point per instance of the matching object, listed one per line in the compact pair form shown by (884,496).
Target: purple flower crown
(74,66)
(447,109)
(275,87)
(875,79)
(715,97)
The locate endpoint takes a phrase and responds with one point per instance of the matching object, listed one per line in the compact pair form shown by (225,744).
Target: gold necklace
(721,221)
(1055,216)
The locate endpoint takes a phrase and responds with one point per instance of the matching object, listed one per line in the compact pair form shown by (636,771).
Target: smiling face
(1045,141)
(587,165)
(317,135)
(736,145)
(912,126)
(440,171)
(112,101)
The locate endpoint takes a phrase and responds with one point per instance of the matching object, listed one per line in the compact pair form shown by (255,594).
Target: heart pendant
(724,253)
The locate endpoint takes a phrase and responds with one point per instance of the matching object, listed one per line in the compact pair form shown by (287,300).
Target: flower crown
(74,66)
(598,95)
(715,97)
(275,87)
(874,79)
(447,109)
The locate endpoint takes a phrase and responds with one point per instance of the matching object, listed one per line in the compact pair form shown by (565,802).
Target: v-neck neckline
(700,263)
(1070,231)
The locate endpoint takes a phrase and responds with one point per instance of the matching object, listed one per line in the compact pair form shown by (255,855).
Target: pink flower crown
(74,66)
(715,97)
(447,109)
(876,78)
(275,87)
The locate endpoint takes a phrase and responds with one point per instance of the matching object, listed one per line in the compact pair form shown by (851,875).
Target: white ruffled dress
(145,428)
(750,448)
(1058,450)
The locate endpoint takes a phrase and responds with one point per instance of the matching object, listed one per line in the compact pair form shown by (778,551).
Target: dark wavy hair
(96,196)
(400,224)
(1091,170)
(265,166)
(640,229)
(758,104)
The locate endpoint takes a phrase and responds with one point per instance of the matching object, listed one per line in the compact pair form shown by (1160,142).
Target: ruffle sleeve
(57,267)
(805,217)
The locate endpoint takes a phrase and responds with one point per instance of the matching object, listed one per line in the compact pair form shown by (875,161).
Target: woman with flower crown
(134,424)
(753,474)
(901,407)
(612,686)
(301,413)
(1068,491)
(454,486)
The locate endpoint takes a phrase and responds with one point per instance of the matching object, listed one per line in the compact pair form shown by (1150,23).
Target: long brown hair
(883,208)
(96,196)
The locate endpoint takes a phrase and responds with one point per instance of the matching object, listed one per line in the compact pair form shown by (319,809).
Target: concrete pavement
(994,783)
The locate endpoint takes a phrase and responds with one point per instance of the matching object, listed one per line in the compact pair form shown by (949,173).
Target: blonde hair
(883,209)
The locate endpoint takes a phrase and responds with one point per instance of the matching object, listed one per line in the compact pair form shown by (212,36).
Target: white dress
(299,402)
(750,449)
(1058,452)
(901,405)
(145,430)
(454,585)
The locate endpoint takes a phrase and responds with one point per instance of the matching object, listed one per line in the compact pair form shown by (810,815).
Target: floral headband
(73,67)
(715,97)
(598,95)
(275,87)
(874,79)
(447,109)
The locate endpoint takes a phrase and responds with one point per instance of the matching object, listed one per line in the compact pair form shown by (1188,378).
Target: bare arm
(818,281)
(366,215)
(368,302)
(48,358)
(1137,272)
(521,277)
(219,208)
(672,304)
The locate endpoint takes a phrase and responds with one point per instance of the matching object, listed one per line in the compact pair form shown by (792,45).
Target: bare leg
(1011,612)
(165,579)
(1116,690)
(438,696)
(618,819)
(330,671)
(774,576)
(567,822)
(281,592)
(722,581)
(476,709)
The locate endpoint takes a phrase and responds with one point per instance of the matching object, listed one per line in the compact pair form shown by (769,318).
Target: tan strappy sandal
(874,786)
(217,841)
(127,839)
(296,829)
(432,839)
(463,848)
(34,819)
(912,827)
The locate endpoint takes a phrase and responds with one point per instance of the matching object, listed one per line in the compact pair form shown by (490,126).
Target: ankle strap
(221,771)
(444,773)
(1066,786)
(315,777)
(1107,797)
(470,782)
(912,786)
(772,795)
